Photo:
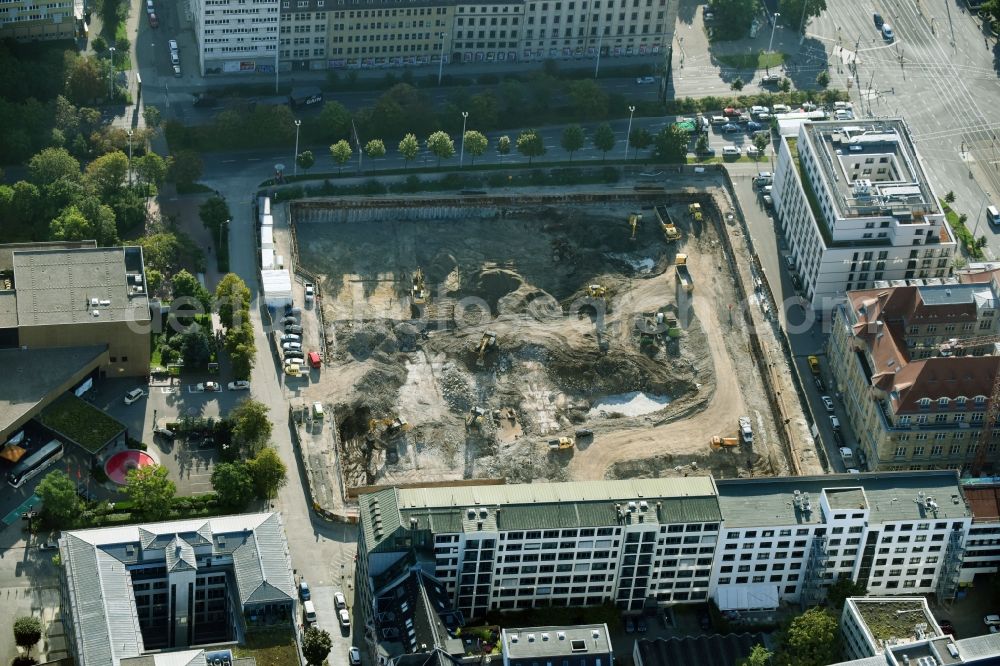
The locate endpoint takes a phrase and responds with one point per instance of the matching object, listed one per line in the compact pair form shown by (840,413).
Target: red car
(153,21)
(730,112)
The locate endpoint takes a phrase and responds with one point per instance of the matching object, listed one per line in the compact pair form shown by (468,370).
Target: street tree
(61,505)
(341,152)
(214,213)
(185,167)
(441,146)
(812,639)
(186,286)
(85,82)
(241,348)
(640,139)
(823,79)
(475,144)
(761,142)
(604,139)
(251,429)
(843,588)
(152,116)
(233,485)
(701,145)
(151,492)
(150,169)
(530,144)
(800,11)
(590,100)
(733,17)
(27,632)
(375,149)
(107,173)
(305,160)
(737,84)
(194,346)
(408,148)
(572,140)
(503,146)
(333,122)
(232,300)
(671,144)
(50,165)
(269,473)
(759,656)
(316,646)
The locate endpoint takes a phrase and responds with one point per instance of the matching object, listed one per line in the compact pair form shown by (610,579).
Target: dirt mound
(457,388)
(440,267)
(362,341)
(592,374)
(495,283)
(537,303)
(379,387)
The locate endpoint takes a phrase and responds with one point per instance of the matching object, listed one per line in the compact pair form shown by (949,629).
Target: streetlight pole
(773,26)
(219,246)
(129,134)
(628,133)
(461,155)
(295,170)
(441,58)
(277,51)
(111,76)
(986,195)
(600,40)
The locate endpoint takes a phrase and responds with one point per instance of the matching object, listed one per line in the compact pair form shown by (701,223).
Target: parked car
(879,21)
(149,7)
(48,545)
(730,127)
(166,433)
(294,354)
(834,422)
(354,655)
(755,110)
(754,126)
(645,80)
(291,337)
(819,383)
(768,202)
(134,396)
(304,593)
(290,320)
(730,151)
(239,385)
(291,346)
(991,620)
(345,618)
(208,387)
(887,33)
(339,601)
(177,71)
(827,402)
(291,328)
(173,45)
(310,292)
(752,151)
(763,116)
(770,78)
(153,21)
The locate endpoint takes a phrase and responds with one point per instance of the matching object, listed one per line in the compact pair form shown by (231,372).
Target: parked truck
(746,429)
(681,271)
(719,442)
(670,231)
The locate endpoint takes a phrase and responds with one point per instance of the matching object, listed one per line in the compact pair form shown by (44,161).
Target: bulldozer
(634,221)
(418,291)
(694,210)
(488,342)
(723,442)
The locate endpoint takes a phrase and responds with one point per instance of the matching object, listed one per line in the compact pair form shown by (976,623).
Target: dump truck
(682,274)
(719,442)
(694,210)
(561,444)
(670,231)
(634,222)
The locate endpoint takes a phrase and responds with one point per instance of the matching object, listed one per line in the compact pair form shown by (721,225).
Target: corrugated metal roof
(979,647)
(380,516)
(263,571)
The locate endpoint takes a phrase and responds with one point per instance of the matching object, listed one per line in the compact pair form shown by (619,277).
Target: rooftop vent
(96,313)
(545,636)
(483,513)
(94,302)
(531,638)
(561,635)
(643,505)
(472,512)
(596,633)
(631,506)
(513,638)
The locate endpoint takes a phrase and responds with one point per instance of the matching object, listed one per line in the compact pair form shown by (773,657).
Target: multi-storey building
(748,544)
(912,399)
(27,20)
(855,204)
(392,34)
(237,35)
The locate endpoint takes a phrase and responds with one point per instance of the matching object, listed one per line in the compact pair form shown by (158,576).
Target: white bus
(35,463)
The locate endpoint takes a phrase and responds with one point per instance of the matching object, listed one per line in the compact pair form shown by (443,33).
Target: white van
(993,215)
(309,610)
(730,150)
(719,120)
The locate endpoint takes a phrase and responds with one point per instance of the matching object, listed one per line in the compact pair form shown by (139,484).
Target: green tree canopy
(86,82)
(589,99)
(761,141)
(233,484)
(475,144)
(800,11)
(185,167)
(503,146)
(333,122)
(604,139)
(759,656)
(151,491)
(151,115)
(375,148)
(232,299)
(51,164)
(269,473)
(213,213)
(812,639)
(150,169)
(572,140)
(241,348)
(408,148)
(341,152)
(640,139)
(733,17)
(251,427)
(27,632)
(530,144)
(60,502)
(305,160)
(843,588)
(71,225)
(441,146)
(316,646)
(185,285)
(671,144)
(194,345)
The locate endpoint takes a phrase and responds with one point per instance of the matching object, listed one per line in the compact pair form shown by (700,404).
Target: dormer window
(924,402)
(943,402)
(960,401)
(980,400)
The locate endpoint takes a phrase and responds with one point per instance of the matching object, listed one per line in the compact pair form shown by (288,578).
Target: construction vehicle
(597,291)
(634,221)
(682,273)
(474,421)
(694,210)
(670,231)
(418,291)
(561,444)
(379,427)
(719,442)
(488,341)
(746,429)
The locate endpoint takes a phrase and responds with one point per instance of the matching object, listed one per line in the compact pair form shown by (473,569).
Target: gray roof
(262,567)
(535,506)
(56,286)
(548,642)
(7,250)
(890,497)
(952,294)
(8,309)
(704,650)
(979,647)
(180,555)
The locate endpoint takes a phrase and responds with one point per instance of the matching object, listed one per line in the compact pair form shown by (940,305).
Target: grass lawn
(759,60)
(273,647)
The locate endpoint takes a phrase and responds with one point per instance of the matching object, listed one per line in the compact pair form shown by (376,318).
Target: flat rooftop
(7,250)
(541,642)
(889,497)
(872,169)
(68,286)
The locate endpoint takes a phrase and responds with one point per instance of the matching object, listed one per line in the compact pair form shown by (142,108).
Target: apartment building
(747,544)
(29,21)
(235,36)
(854,202)
(578,645)
(908,363)
(391,34)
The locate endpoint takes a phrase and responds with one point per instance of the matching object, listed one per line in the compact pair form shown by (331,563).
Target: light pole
(277,51)
(461,154)
(129,134)
(441,58)
(111,76)
(986,195)
(773,26)
(628,133)
(295,169)
(226,225)
(600,40)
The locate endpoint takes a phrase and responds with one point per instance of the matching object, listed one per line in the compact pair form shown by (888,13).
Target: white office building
(857,209)
(236,35)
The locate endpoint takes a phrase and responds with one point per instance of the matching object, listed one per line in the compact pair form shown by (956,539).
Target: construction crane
(488,341)
(634,220)
(954,347)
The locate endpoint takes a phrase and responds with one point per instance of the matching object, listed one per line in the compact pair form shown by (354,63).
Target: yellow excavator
(419,290)
(694,210)
(634,220)
(488,341)
(597,291)
(475,419)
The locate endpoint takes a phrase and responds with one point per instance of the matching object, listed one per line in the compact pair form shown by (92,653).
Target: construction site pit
(528,341)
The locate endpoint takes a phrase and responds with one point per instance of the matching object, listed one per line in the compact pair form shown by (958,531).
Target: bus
(35,463)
